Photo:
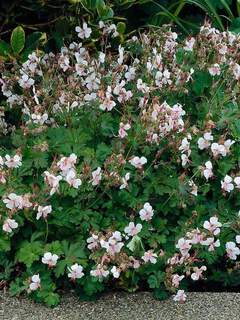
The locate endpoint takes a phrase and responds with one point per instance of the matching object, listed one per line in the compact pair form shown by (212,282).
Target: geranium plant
(120,165)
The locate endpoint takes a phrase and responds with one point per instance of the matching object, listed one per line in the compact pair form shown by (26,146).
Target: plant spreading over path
(121,169)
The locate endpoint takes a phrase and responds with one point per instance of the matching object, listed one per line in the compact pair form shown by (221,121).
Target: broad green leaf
(18,40)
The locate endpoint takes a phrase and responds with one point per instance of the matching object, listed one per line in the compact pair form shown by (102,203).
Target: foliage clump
(121,165)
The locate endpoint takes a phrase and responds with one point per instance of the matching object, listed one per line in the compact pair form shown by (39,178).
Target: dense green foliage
(110,154)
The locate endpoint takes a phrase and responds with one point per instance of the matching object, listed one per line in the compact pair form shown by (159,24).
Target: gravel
(123,306)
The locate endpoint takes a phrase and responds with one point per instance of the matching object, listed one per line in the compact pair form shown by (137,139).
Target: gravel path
(122,306)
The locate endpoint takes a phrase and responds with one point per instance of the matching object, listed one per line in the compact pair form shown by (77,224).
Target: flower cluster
(110,153)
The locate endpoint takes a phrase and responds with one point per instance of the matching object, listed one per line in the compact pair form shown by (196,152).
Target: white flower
(184,246)
(25,81)
(122,132)
(101,57)
(232,250)
(35,284)
(132,230)
(176,280)
(211,243)
(213,225)
(204,142)
(72,180)
(215,70)
(138,162)
(238,239)
(75,272)
(52,181)
(207,172)
(99,272)
(50,259)
(189,44)
(180,296)
(84,32)
(9,225)
(96,176)
(197,274)
(43,211)
(125,180)
(227,184)
(237,182)
(13,201)
(149,256)
(13,162)
(67,163)
(147,212)
(115,272)
(93,242)
(194,187)
(121,55)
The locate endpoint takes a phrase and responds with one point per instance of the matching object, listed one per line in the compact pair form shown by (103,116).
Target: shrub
(121,166)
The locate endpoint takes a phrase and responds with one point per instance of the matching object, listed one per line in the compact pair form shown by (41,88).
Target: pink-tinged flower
(115,272)
(96,176)
(213,225)
(185,146)
(149,256)
(184,246)
(138,162)
(205,141)
(75,272)
(50,259)
(84,32)
(125,180)
(67,163)
(197,274)
(180,296)
(72,180)
(211,243)
(215,70)
(232,250)
(141,86)
(13,162)
(99,272)
(189,44)
(52,181)
(3,177)
(135,263)
(176,279)
(227,184)
(25,81)
(147,212)
(107,103)
(93,242)
(43,212)
(13,201)
(207,172)
(122,132)
(9,225)
(236,71)
(195,236)
(237,182)
(35,282)
(112,246)
(132,230)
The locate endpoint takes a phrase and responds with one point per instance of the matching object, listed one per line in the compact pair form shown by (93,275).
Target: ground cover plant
(120,164)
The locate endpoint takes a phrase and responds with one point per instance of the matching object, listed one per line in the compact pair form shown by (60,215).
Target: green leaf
(18,40)
(29,252)
(4,243)
(5,49)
